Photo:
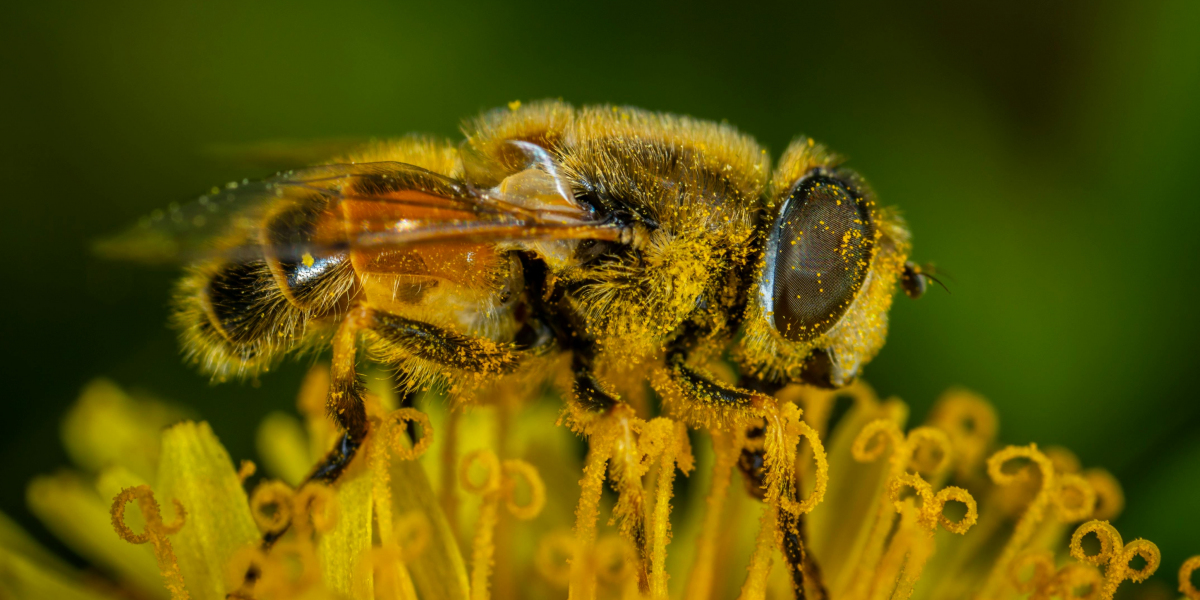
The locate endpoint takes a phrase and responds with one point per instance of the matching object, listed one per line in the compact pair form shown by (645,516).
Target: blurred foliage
(1044,154)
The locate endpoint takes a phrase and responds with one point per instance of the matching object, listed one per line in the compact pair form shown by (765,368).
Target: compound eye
(821,245)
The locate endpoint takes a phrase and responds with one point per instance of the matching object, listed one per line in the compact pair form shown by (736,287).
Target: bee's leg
(345,406)
(406,399)
(588,393)
(703,390)
(345,403)
(801,565)
(447,348)
(414,337)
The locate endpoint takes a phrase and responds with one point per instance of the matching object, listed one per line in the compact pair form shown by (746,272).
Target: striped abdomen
(237,316)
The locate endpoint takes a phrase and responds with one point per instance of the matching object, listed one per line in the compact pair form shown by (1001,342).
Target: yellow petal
(79,517)
(196,470)
(284,448)
(13,538)
(110,482)
(108,427)
(438,571)
(22,578)
(341,549)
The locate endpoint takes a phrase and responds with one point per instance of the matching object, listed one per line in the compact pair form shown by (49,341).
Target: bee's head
(818,309)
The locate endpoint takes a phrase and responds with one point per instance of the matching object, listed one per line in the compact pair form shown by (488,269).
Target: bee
(604,245)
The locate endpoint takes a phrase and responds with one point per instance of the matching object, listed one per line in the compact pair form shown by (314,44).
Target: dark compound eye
(821,248)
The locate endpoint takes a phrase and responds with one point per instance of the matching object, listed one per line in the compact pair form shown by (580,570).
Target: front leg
(699,400)
(586,390)
(705,401)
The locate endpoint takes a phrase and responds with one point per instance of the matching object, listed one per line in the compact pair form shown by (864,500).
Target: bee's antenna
(936,280)
(914,278)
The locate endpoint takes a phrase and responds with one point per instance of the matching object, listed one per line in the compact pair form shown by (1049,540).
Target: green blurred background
(1046,156)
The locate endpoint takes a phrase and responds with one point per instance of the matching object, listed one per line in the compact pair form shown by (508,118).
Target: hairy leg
(699,389)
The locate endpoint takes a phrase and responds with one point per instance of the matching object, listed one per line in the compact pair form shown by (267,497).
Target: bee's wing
(367,205)
(280,153)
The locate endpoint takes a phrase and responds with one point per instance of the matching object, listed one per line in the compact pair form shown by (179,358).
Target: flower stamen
(499,481)
(156,533)
(726,448)
(271,507)
(1188,567)
(1115,555)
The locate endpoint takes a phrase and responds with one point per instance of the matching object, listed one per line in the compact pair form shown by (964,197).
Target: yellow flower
(497,501)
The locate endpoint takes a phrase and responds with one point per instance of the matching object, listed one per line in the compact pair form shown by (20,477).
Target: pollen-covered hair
(682,173)
(234,319)
(691,187)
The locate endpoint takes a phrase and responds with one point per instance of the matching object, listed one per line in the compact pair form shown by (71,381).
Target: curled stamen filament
(907,546)
(483,547)
(394,429)
(412,535)
(289,570)
(1110,498)
(821,480)
(1072,577)
(1034,513)
(970,422)
(275,507)
(1185,578)
(499,482)
(1115,555)
(938,458)
(555,553)
(392,437)
(271,507)
(315,508)
(1074,499)
(1043,571)
(156,533)
(869,445)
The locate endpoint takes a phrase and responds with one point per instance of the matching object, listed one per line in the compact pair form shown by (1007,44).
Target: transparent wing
(362,206)
(275,154)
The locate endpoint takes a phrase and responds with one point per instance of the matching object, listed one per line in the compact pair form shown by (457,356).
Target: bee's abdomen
(239,298)
(240,316)
(232,317)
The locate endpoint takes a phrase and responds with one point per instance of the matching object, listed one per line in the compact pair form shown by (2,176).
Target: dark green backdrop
(1046,156)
